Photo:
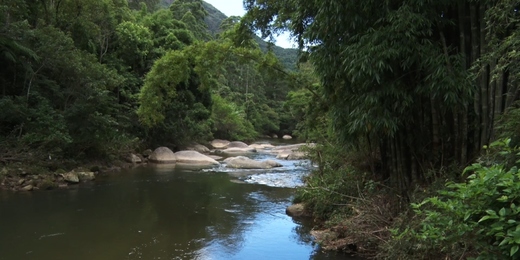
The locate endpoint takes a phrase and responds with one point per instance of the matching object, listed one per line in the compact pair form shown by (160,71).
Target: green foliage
(229,121)
(93,78)
(509,125)
(478,217)
(160,86)
(134,43)
(333,186)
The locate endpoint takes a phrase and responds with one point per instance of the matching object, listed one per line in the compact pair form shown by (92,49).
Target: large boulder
(219,144)
(287,137)
(283,154)
(162,155)
(261,146)
(199,148)
(71,177)
(297,210)
(236,150)
(242,162)
(86,176)
(292,147)
(237,144)
(291,152)
(194,158)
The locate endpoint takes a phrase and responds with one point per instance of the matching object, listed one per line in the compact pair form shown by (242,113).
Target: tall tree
(401,73)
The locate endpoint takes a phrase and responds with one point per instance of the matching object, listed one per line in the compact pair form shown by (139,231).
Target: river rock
(261,146)
(291,152)
(237,144)
(71,177)
(27,187)
(199,148)
(133,158)
(194,158)
(162,155)
(284,154)
(297,155)
(236,150)
(219,144)
(292,147)
(215,157)
(242,162)
(287,137)
(47,184)
(86,176)
(275,136)
(147,153)
(296,210)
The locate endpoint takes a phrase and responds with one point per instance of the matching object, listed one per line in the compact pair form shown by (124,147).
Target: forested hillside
(288,57)
(94,79)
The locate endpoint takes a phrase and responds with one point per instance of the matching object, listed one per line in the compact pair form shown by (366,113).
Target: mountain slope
(288,57)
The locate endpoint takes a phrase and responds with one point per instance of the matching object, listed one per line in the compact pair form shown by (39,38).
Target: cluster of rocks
(275,136)
(29,182)
(200,155)
(196,154)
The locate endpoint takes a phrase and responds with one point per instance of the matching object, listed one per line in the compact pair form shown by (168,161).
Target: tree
(399,75)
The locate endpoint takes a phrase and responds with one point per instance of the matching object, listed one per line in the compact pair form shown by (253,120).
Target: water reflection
(154,213)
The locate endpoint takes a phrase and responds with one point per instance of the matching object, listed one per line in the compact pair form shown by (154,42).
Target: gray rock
(86,176)
(291,152)
(194,158)
(284,154)
(133,158)
(219,144)
(162,155)
(297,155)
(71,177)
(147,153)
(287,137)
(215,157)
(237,150)
(275,136)
(296,210)
(242,162)
(199,148)
(261,146)
(27,187)
(237,144)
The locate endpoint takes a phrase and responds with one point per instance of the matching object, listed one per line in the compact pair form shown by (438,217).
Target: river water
(161,212)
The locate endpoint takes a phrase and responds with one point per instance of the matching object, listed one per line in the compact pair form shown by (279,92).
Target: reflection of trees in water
(145,213)
(202,206)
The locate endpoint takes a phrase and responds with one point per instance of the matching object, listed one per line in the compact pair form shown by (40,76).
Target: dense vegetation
(405,96)
(413,104)
(95,79)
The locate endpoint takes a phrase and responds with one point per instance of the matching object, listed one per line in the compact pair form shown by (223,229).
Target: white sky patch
(236,8)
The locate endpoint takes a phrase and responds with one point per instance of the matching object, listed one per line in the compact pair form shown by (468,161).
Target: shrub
(479,217)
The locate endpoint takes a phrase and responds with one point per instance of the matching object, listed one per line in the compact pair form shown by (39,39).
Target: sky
(235,7)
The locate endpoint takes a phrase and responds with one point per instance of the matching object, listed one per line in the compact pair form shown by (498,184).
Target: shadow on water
(156,213)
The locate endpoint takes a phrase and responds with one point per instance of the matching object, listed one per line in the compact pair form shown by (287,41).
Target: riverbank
(58,174)
(357,228)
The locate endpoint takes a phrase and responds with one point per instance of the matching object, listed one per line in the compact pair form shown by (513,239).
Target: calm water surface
(161,213)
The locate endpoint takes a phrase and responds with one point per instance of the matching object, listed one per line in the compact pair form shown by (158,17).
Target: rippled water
(161,213)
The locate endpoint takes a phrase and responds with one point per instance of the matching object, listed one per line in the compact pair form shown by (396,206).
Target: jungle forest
(413,104)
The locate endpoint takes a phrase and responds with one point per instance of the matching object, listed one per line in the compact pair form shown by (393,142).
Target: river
(161,212)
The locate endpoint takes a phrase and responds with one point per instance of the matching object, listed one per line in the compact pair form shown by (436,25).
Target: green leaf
(502,212)
(486,218)
(514,249)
